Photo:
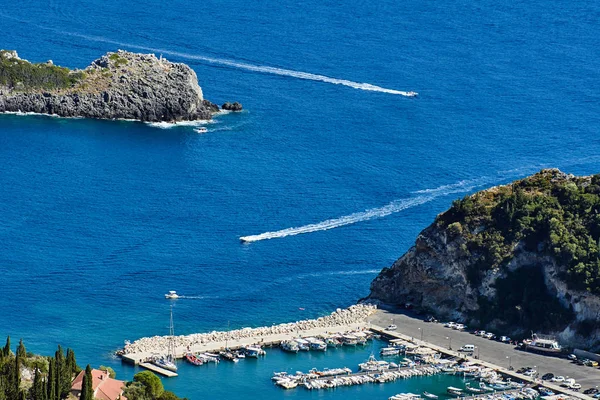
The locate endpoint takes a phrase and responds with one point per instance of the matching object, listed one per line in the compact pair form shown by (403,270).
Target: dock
(158,370)
(455,354)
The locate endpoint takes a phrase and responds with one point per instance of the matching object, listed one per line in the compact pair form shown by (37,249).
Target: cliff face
(498,260)
(119,85)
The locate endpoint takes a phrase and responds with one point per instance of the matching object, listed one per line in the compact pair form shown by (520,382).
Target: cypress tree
(38,386)
(22,395)
(6,349)
(87,391)
(51,383)
(21,352)
(63,382)
(17,376)
(71,363)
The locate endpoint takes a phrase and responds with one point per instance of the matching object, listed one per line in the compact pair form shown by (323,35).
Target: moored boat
(290,346)
(389,351)
(455,391)
(430,395)
(192,359)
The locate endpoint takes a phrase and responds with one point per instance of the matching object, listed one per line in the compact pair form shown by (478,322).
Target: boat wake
(232,63)
(422,197)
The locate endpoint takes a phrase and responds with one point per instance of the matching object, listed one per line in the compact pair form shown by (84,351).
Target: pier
(158,370)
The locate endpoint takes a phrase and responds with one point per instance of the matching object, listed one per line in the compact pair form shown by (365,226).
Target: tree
(37,390)
(71,364)
(152,383)
(167,395)
(111,372)
(51,382)
(87,391)
(21,352)
(6,349)
(17,375)
(135,391)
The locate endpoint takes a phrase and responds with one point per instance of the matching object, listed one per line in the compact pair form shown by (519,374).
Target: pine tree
(6,349)
(87,391)
(62,378)
(51,382)
(21,352)
(71,363)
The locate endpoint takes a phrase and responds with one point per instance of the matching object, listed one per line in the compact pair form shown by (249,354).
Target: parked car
(590,363)
(572,357)
(523,370)
(391,327)
(548,376)
(530,372)
(430,318)
(504,339)
(590,391)
(467,348)
(458,327)
(490,335)
(481,333)
(449,324)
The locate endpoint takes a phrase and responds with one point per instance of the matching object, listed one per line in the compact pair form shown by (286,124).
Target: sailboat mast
(171,337)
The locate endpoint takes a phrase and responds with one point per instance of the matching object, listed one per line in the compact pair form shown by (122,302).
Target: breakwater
(353,317)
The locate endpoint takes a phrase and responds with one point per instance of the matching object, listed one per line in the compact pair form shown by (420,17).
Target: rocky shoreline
(119,85)
(341,317)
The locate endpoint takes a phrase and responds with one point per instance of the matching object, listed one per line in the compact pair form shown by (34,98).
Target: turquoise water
(99,219)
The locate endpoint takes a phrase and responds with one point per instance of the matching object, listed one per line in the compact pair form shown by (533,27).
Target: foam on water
(169,125)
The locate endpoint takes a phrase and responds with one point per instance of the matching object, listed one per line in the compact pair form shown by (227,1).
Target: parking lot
(501,354)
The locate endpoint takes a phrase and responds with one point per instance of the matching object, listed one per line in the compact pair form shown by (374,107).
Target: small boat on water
(455,391)
(290,346)
(389,351)
(332,342)
(430,395)
(192,359)
(209,357)
(316,344)
(373,365)
(254,351)
(229,356)
(471,389)
(349,340)
(172,295)
(302,344)
(286,383)
(201,130)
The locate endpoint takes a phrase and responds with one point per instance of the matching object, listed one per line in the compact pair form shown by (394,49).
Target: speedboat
(372,365)
(316,344)
(411,94)
(192,359)
(302,344)
(172,295)
(254,351)
(201,130)
(454,391)
(430,395)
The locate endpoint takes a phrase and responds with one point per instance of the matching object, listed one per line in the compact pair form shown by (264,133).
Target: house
(105,387)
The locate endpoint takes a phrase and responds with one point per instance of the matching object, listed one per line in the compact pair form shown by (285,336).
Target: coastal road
(501,354)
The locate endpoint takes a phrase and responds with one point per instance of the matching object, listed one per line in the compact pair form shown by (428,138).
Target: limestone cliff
(119,85)
(516,258)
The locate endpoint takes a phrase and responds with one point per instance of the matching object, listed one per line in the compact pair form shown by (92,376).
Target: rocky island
(119,85)
(518,258)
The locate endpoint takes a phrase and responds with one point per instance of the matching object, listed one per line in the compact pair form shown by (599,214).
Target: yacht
(332,342)
(254,351)
(168,361)
(350,340)
(165,363)
(172,295)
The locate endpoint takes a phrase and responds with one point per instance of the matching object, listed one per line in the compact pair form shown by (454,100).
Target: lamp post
(421,330)
(449,342)
(509,362)
(477,352)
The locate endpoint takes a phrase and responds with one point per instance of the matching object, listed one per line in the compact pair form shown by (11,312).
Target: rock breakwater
(120,85)
(341,317)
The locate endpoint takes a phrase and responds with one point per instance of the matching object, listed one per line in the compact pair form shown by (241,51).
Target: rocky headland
(515,258)
(119,85)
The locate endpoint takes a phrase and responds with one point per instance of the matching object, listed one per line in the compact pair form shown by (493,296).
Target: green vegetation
(117,59)
(87,391)
(147,386)
(546,212)
(22,75)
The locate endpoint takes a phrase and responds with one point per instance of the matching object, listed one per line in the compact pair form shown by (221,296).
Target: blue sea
(329,169)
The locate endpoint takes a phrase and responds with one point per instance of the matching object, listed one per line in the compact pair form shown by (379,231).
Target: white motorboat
(201,130)
(290,345)
(286,383)
(389,351)
(172,295)
(302,344)
(316,344)
(455,391)
(349,340)
(430,395)
(254,351)
(373,365)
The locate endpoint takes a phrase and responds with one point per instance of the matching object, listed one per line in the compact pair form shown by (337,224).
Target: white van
(467,348)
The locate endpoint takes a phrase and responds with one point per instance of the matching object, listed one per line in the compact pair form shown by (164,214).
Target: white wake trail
(231,63)
(391,208)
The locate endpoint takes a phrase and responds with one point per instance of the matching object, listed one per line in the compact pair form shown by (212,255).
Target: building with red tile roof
(105,387)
